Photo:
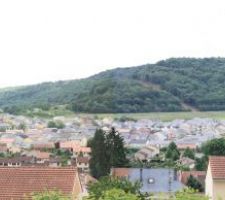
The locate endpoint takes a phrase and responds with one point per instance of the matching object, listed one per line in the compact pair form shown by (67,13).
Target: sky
(49,40)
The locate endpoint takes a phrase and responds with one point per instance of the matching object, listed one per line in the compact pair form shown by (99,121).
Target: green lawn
(164,116)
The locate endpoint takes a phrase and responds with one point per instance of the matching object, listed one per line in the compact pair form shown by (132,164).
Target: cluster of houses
(34,156)
(136,134)
(20,182)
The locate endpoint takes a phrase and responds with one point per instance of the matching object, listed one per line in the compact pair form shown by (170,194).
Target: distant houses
(146,153)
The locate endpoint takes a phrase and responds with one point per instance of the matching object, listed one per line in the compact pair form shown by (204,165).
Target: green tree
(99,162)
(52,124)
(115,149)
(193,183)
(201,164)
(214,147)
(56,124)
(49,195)
(172,152)
(107,151)
(22,126)
(189,194)
(118,194)
(189,153)
(97,190)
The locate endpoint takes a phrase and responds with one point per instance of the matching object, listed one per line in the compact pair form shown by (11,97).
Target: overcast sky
(47,40)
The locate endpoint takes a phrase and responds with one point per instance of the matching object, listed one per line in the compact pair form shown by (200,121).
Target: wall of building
(209,183)
(219,190)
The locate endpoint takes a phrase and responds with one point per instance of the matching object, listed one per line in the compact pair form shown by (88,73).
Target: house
(42,157)
(3,148)
(16,183)
(183,146)
(16,161)
(137,143)
(153,180)
(44,146)
(215,178)
(8,141)
(199,175)
(54,162)
(83,164)
(187,162)
(146,153)
(81,151)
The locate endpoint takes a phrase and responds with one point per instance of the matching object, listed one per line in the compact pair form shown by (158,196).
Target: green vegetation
(56,124)
(189,194)
(50,195)
(189,153)
(172,152)
(97,190)
(194,184)
(112,189)
(107,151)
(177,84)
(214,147)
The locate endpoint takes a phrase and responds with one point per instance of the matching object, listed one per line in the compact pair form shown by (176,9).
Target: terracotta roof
(20,159)
(42,155)
(49,145)
(69,144)
(217,164)
(199,175)
(120,172)
(83,160)
(184,146)
(15,183)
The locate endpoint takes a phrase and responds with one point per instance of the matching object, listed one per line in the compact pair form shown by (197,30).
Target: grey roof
(164,180)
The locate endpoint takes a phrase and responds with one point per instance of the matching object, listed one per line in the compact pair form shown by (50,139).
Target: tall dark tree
(99,161)
(172,152)
(107,151)
(115,149)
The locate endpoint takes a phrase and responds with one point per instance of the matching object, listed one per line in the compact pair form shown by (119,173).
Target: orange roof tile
(186,174)
(120,172)
(17,182)
(217,164)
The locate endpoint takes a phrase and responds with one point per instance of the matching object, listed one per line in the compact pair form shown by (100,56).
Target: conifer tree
(99,162)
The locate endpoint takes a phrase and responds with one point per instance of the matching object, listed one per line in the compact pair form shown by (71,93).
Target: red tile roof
(184,175)
(17,182)
(120,172)
(49,145)
(217,164)
(184,146)
(83,160)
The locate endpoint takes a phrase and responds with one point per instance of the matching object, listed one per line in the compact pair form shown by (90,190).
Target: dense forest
(176,84)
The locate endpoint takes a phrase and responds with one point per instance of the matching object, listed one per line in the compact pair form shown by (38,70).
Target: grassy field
(164,116)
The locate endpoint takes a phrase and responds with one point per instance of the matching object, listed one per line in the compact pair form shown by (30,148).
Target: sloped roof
(199,175)
(15,183)
(217,164)
(83,160)
(164,180)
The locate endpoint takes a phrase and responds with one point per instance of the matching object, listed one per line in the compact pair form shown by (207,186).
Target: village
(61,143)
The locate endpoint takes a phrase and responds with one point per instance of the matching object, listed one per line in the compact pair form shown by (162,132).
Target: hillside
(176,84)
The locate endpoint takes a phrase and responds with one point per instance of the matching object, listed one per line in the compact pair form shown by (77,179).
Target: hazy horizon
(51,40)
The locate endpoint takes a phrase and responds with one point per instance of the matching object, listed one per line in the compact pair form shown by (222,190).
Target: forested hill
(175,84)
